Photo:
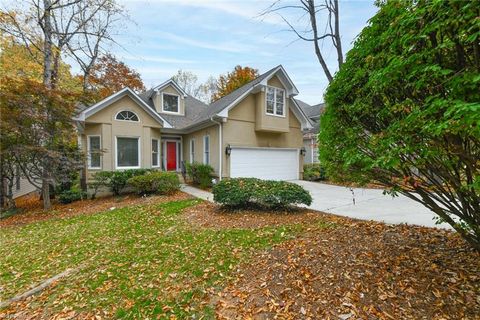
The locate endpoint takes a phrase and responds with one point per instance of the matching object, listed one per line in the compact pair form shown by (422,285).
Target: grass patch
(139,261)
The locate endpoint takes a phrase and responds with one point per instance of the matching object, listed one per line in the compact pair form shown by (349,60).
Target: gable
(275,82)
(126,103)
(127,92)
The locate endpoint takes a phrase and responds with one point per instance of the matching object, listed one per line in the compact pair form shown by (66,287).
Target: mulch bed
(351,270)
(208,215)
(30,207)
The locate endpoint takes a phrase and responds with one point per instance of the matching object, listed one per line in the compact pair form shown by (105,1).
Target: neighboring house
(310,135)
(255,131)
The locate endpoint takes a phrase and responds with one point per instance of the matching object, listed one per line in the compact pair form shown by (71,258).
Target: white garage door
(264,163)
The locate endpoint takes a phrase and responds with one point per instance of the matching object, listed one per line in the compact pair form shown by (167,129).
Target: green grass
(138,262)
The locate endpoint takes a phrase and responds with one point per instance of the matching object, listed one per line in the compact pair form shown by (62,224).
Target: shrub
(69,196)
(100,179)
(314,172)
(200,174)
(116,181)
(244,192)
(155,182)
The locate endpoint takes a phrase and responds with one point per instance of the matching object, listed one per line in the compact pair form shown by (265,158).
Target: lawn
(141,261)
(176,257)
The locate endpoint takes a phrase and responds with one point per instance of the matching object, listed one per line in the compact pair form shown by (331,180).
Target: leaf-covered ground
(188,259)
(141,262)
(358,270)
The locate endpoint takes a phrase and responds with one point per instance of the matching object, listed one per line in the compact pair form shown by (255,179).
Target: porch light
(303,151)
(228,150)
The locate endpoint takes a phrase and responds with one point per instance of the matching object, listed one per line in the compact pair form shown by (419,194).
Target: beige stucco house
(255,131)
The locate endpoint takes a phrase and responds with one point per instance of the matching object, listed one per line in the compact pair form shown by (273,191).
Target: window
(275,101)
(170,103)
(126,116)
(206,149)
(94,152)
(128,152)
(192,151)
(155,153)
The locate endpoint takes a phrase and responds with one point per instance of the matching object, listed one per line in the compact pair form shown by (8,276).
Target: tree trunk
(46,194)
(10,202)
(47,44)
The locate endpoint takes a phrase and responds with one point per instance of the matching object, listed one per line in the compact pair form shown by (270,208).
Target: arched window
(126,116)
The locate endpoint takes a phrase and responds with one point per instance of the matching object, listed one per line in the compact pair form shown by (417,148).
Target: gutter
(220,146)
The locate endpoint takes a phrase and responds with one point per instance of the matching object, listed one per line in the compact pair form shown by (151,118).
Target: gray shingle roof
(193,108)
(313,113)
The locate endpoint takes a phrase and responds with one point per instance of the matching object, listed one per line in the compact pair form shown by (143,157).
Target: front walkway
(359,203)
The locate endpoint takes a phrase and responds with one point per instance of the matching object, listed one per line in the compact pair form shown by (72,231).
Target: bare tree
(328,11)
(56,28)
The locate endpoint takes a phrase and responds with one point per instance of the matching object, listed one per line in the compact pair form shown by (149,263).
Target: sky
(211,37)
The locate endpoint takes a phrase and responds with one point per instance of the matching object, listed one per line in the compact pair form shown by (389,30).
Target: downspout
(220,147)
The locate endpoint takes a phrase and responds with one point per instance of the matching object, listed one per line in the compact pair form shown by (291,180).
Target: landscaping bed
(208,215)
(29,208)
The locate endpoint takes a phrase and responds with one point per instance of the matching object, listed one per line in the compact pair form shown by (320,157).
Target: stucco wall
(103,123)
(212,131)
(239,130)
(158,99)
(269,122)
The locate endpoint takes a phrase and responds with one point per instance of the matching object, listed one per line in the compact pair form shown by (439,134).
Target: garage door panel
(264,163)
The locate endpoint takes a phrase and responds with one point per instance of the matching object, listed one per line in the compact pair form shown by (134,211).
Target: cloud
(229,46)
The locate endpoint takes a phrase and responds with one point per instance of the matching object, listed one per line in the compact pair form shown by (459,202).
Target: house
(255,131)
(310,134)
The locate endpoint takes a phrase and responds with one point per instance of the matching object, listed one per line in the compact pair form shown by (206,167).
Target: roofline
(307,120)
(280,67)
(115,97)
(174,83)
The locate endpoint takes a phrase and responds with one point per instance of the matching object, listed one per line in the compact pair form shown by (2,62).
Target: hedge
(116,181)
(246,192)
(314,172)
(155,182)
(200,174)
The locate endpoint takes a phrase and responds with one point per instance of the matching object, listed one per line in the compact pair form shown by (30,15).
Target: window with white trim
(206,149)
(126,115)
(171,103)
(155,153)
(128,152)
(192,150)
(94,152)
(275,101)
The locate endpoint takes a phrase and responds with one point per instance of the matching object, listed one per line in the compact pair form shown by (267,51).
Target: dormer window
(171,103)
(126,116)
(275,101)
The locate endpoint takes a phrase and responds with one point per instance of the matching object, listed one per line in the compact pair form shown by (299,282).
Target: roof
(197,112)
(313,113)
(193,108)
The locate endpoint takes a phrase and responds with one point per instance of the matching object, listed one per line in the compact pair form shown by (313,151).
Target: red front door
(171,156)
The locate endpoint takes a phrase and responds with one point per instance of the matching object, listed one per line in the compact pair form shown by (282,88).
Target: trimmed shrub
(116,181)
(69,196)
(245,192)
(314,172)
(200,174)
(155,182)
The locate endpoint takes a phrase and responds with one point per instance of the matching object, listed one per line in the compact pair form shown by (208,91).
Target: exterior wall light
(303,151)
(228,150)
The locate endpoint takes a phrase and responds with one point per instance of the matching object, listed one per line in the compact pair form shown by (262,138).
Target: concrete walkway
(359,203)
(198,193)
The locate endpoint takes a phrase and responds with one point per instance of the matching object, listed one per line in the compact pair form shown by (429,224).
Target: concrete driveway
(370,204)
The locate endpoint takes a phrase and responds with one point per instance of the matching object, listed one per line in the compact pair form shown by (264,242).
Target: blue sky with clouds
(210,37)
